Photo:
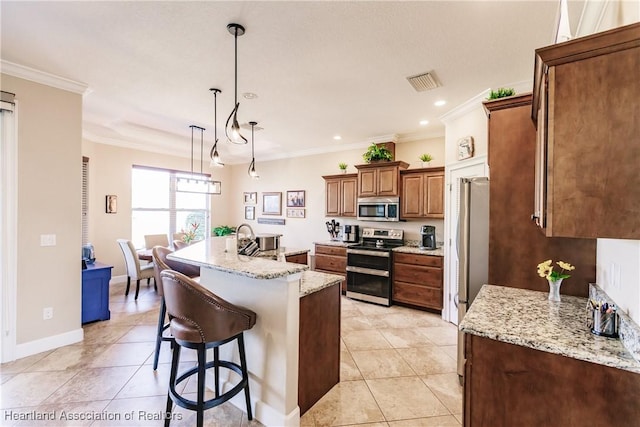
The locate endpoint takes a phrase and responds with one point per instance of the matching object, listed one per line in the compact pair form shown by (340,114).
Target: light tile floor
(398,369)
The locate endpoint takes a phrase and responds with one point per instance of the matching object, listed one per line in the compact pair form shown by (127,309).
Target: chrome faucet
(242,242)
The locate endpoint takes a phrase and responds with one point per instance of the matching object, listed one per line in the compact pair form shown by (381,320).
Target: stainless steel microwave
(379,209)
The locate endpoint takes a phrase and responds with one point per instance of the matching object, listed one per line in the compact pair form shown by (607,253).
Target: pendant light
(232,128)
(213,154)
(194,182)
(252,166)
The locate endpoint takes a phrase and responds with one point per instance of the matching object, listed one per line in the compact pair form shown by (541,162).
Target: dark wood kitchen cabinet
(298,258)
(340,194)
(422,194)
(585,105)
(417,280)
(508,385)
(332,259)
(516,245)
(380,179)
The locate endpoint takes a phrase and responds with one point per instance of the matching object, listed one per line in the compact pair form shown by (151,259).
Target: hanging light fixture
(232,128)
(252,166)
(194,182)
(213,154)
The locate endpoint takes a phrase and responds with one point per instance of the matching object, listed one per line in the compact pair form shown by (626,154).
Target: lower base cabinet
(508,385)
(319,349)
(95,292)
(298,259)
(332,259)
(417,280)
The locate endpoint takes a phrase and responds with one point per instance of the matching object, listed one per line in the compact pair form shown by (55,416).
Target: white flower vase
(554,289)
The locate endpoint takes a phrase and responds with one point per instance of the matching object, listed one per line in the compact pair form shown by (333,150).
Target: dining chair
(179,236)
(161,263)
(179,244)
(134,270)
(152,240)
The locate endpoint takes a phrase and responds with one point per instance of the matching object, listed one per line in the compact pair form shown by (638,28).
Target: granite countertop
(417,250)
(210,253)
(282,251)
(313,281)
(527,318)
(335,243)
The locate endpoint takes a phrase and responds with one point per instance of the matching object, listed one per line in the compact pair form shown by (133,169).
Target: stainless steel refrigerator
(473,248)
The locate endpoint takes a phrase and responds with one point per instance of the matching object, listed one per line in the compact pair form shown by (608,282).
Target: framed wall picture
(250,212)
(111,204)
(272,203)
(250,198)
(465,148)
(295,212)
(295,199)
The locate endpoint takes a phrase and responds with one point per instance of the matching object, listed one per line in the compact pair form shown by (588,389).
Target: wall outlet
(47,240)
(614,274)
(47,313)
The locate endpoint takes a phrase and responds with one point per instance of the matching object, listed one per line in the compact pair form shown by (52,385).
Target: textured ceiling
(319,68)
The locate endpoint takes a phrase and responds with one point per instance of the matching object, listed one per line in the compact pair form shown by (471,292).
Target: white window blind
(85,200)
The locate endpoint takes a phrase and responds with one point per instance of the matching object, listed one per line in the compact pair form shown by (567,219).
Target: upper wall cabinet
(587,111)
(340,194)
(422,193)
(380,179)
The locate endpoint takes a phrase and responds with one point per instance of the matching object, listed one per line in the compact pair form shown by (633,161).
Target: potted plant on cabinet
(343,167)
(426,159)
(501,93)
(377,153)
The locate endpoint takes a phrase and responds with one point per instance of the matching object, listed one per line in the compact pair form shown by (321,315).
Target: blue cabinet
(95,292)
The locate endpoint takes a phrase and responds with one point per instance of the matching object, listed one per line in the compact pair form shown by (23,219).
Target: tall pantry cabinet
(516,244)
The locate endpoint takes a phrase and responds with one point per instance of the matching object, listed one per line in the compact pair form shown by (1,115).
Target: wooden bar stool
(201,320)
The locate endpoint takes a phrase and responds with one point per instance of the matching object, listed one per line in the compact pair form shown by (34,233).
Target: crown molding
(465,107)
(42,77)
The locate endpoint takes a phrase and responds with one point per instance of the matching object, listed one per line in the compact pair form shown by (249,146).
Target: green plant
(377,152)
(426,157)
(342,166)
(501,93)
(223,230)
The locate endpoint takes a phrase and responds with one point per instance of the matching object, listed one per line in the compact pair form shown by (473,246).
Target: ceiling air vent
(424,81)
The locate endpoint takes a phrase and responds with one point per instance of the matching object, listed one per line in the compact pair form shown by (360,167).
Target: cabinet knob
(534,217)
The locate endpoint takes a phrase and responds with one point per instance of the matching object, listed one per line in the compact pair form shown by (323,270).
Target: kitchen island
(534,362)
(275,291)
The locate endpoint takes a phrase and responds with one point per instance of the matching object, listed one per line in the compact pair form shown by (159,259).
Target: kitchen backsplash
(628,330)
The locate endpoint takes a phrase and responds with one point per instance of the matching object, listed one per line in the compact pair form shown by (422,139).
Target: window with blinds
(85,200)
(157,208)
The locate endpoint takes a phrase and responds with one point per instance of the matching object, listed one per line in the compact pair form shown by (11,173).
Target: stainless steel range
(369,265)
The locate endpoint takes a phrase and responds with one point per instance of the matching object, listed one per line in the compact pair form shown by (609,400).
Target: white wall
(49,131)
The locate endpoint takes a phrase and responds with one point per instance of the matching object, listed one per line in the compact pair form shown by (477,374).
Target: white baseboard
(49,343)
(118,279)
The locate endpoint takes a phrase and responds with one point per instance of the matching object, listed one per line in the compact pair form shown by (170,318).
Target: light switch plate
(47,240)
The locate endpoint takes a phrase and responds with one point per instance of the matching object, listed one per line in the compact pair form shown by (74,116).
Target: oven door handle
(381,254)
(370,271)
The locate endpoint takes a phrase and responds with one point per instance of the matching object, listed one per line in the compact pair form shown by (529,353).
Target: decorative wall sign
(295,199)
(295,212)
(250,212)
(273,221)
(465,148)
(272,203)
(111,204)
(250,198)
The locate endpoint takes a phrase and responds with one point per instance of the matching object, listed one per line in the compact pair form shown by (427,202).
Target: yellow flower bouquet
(545,269)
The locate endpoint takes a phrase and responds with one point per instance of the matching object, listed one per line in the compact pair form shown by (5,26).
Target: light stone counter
(283,251)
(313,281)
(527,318)
(335,243)
(418,251)
(211,253)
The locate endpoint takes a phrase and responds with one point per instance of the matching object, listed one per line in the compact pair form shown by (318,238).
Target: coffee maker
(427,237)
(350,233)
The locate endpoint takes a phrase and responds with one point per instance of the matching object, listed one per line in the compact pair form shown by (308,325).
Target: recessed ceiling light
(424,122)
(337,137)
(440,103)
(249,95)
